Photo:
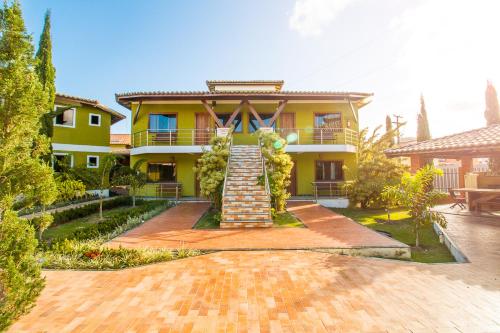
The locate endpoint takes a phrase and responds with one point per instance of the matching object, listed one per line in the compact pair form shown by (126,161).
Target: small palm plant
(132,177)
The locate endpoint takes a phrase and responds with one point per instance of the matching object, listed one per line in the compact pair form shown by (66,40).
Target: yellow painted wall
(80,158)
(83,133)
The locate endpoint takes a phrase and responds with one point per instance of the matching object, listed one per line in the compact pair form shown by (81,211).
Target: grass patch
(64,230)
(401,229)
(287,220)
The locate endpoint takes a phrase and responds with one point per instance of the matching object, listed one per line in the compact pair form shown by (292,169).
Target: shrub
(69,189)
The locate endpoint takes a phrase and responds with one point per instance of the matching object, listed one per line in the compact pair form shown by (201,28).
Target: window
(253,124)
(238,126)
(92,161)
(94,119)
(328,120)
(161,172)
(65,118)
(162,122)
(329,171)
(60,162)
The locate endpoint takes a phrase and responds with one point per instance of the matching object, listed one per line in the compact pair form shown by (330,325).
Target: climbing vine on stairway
(210,169)
(279,167)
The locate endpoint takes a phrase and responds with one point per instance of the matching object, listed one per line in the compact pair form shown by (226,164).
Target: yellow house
(170,130)
(82,131)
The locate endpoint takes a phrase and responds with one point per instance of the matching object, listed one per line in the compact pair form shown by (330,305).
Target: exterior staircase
(246,203)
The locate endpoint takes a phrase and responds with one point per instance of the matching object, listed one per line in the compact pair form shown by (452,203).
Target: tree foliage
(388,129)
(210,169)
(23,176)
(492,112)
(374,169)
(133,177)
(423,130)
(279,167)
(418,194)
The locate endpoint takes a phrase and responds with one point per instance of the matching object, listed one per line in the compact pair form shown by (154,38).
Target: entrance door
(287,124)
(292,189)
(202,134)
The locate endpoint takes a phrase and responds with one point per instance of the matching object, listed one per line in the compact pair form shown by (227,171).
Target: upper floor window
(328,120)
(238,126)
(162,122)
(329,171)
(94,119)
(65,118)
(253,124)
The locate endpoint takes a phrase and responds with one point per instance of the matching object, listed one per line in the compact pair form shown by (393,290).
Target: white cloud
(311,17)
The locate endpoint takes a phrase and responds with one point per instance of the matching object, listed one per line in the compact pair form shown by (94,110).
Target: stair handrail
(264,170)
(227,165)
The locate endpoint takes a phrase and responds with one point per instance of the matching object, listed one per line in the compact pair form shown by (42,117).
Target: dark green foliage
(20,281)
(423,130)
(111,222)
(492,112)
(75,213)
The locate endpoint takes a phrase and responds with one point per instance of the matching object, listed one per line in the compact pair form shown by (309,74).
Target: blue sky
(393,48)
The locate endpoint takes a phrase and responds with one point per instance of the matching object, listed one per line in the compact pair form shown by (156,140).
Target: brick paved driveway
(283,291)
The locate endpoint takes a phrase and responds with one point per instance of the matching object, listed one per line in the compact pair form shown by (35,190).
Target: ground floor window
(61,161)
(162,172)
(329,171)
(92,161)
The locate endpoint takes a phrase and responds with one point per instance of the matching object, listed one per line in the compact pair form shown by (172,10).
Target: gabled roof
(485,139)
(115,115)
(272,85)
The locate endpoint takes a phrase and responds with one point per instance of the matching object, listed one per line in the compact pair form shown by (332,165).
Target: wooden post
(277,113)
(255,114)
(234,114)
(465,168)
(416,163)
(212,113)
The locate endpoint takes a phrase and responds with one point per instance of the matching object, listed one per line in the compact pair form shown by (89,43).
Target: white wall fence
(450,179)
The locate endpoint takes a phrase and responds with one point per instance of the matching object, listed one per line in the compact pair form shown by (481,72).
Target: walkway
(325,229)
(283,291)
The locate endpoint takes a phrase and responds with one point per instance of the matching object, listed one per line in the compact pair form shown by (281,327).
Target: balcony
(192,140)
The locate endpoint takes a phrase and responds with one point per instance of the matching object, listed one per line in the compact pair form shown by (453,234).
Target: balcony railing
(319,136)
(196,137)
(172,137)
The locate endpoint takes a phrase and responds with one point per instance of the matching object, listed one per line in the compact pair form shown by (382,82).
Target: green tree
(418,193)
(423,130)
(374,169)
(211,168)
(133,177)
(23,176)
(279,167)
(388,129)
(391,195)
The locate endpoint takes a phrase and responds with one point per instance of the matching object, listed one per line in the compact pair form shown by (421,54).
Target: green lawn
(401,228)
(285,220)
(63,230)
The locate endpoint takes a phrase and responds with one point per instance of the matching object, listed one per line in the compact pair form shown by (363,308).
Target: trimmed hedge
(79,212)
(111,222)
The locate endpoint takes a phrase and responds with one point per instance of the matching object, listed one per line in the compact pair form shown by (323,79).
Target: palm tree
(133,177)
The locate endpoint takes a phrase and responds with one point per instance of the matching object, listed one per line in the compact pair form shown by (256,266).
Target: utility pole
(397,123)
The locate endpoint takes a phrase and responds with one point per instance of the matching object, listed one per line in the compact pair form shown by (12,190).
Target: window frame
(97,162)
(250,115)
(240,115)
(163,130)
(98,117)
(327,113)
(69,109)
(342,176)
(71,163)
(162,181)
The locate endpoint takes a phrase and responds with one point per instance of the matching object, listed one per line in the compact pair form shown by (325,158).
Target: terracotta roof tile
(484,138)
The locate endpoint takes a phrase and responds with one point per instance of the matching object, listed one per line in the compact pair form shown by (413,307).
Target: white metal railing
(227,165)
(264,170)
(323,135)
(329,189)
(172,137)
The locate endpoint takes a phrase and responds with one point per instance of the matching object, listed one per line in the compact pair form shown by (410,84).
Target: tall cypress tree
(389,131)
(22,173)
(46,74)
(423,131)
(492,112)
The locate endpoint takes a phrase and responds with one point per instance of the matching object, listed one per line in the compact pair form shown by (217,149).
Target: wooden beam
(234,114)
(212,113)
(255,114)
(136,116)
(280,108)
(352,109)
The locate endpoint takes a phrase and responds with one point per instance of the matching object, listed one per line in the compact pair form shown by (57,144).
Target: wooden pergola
(478,143)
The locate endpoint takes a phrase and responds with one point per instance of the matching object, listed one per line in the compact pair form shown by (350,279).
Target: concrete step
(246,217)
(245,198)
(231,183)
(247,204)
(243,224)
(246,192)
(245,210)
